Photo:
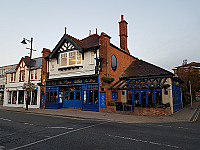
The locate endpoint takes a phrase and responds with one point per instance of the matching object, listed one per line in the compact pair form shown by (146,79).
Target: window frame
(67,54)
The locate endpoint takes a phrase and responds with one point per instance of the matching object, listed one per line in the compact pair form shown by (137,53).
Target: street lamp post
(29,77)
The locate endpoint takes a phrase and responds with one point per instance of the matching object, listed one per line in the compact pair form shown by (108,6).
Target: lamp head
(24,41)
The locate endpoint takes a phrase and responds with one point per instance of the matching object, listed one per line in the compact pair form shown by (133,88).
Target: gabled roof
(88,42)
(140,68)
(35,63)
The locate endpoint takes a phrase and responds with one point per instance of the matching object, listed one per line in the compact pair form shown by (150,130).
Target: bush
(107,79)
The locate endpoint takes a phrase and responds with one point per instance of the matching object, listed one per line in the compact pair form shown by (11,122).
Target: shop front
(82,92)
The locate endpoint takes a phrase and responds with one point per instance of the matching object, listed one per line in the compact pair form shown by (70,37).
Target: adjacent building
(3,71)
(14,94)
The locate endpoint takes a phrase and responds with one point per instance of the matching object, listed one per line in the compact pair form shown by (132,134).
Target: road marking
(5,119)
(55,136)
(30,124)
(160,125)
(1,147)
(60,128)
(144,141)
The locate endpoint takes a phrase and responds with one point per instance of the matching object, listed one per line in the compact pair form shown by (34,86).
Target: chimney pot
(122,17)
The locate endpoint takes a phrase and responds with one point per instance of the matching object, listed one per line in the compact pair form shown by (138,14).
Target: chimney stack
(123,34)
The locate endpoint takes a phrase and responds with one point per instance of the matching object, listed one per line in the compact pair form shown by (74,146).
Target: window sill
(70,67)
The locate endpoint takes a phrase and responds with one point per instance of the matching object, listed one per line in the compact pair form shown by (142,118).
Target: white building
(14,94)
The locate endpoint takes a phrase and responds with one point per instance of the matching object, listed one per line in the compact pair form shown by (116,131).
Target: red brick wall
(123,61)
(141,111)
(45,53)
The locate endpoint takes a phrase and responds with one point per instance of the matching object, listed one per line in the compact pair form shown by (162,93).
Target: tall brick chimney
(123,34)
(45,54)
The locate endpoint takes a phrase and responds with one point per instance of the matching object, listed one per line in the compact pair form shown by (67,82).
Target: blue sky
(162,32)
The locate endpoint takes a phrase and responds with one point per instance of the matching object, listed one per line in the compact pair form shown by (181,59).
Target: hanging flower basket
(166,86)
(107,79)
(29,87)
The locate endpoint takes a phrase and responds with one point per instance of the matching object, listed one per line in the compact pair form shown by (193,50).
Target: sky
(162,32)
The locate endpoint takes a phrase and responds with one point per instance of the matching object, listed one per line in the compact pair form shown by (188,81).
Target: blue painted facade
(84,96)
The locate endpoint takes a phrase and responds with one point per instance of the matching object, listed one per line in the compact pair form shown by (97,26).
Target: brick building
(85,74)
(81,71)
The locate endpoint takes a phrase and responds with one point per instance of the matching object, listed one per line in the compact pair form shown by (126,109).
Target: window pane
(72,58)
(21,97)
(66,96)
(150,99)
(34,98)
(78,95)
(143,98)
(47,97)
(9,97)
(78,57)
(71,95)
(55,97)
(51,97)
(158,97)
(64,59)
(96,97)
(136,98)
(90,97)
(129,97)
(14,97)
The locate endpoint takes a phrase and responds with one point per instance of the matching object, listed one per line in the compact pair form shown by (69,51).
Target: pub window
(114,94)
(66,96)
(158,97)
(63,59)
(143,98)
(70,58)
(78,95)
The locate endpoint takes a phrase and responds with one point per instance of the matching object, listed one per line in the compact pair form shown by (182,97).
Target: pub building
(80,72)
(83,73)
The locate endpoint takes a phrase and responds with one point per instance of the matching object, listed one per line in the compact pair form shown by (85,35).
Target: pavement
(187,114)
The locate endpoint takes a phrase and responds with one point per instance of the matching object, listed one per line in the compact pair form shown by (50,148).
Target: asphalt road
(30,131)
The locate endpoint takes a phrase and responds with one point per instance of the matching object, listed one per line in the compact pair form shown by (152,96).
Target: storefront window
(55,97)
(158,97)
(130,97)
(71,95)
(66,96)
(90,97)
(47,97)
(9,97)
(143,98)
(150,99)
(96,97)
(51,97)
(14,97)
(34,98)
(136,93)
(78,95)
(21,97)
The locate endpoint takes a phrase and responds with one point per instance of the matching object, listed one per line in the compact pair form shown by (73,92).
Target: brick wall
(140,111)
(45,53)
(123,61)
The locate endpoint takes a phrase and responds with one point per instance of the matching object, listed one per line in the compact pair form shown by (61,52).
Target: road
(19,130)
